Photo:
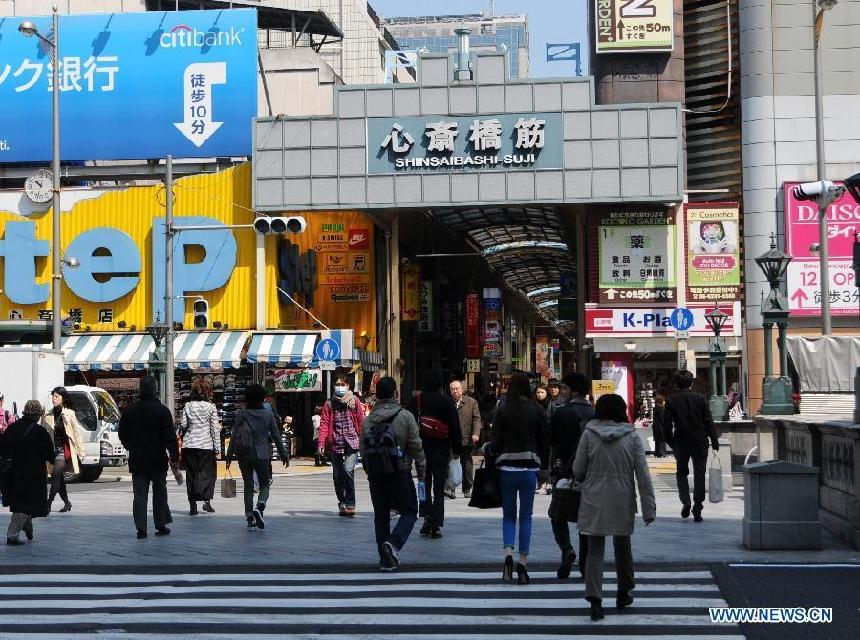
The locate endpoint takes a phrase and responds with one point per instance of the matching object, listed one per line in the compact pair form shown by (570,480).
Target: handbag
(564,504)
(486,493)
(430,427)
(228,486)
(715,480)
(455,474)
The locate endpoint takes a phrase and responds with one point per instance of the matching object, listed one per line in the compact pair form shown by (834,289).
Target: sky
(550,21)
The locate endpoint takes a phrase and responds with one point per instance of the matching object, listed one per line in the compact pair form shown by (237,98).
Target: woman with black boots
(201,444)
(65,431)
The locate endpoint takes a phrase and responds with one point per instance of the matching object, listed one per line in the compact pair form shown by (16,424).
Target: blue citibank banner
(132,86)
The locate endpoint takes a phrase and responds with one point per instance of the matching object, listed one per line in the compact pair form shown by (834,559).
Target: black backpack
(381,453)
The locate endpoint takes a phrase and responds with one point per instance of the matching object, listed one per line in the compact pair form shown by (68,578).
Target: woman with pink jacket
(340,433)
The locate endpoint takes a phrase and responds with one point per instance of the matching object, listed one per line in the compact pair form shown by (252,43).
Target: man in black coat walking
(687,427)
(432,403)
(146,429)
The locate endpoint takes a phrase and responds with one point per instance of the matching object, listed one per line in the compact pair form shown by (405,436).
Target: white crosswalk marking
(430,605)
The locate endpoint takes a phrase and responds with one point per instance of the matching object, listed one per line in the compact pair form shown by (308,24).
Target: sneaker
(436,533)
(261,507)
(258,519)
(252,524)
(450,495)
(467,494)
(623,599)
(341,509)
(349,512)
(388,557)
(162,531)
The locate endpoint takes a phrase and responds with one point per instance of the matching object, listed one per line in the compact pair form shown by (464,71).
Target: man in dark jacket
(431,402)
(29,447)
(687,427)
(470,424)
(394,490)
(566,427)
(146,429)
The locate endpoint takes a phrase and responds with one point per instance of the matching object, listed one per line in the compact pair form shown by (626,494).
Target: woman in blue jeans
(517,437)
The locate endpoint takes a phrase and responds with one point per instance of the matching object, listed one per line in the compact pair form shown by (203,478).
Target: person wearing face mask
(340,432)
(65,431)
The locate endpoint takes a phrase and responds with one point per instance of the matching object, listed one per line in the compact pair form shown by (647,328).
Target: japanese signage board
(602,388)
(542,364)
(713,251)
(636,257)
(493,323)
(473,326)
(633,25)
(132,86)
(410,299)
(464,143)
(425,319)
(648,321)
(293,380)
(801,231)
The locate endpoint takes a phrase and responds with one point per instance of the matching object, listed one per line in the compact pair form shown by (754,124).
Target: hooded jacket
(264,429)
(608,456)
(405,430)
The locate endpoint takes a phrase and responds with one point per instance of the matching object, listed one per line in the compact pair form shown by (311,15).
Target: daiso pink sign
(801,231)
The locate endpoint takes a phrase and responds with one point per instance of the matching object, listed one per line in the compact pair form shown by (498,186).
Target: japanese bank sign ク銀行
(132,86)
(464,143)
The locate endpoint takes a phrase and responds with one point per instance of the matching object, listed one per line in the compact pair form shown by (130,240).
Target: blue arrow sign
(682,319)
(327,349)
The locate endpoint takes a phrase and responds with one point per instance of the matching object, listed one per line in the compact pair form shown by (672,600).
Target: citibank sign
(111,263)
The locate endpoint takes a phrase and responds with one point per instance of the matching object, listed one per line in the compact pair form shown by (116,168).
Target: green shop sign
(293,380)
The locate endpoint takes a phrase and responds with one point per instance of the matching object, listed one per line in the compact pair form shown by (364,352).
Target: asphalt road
(836,586)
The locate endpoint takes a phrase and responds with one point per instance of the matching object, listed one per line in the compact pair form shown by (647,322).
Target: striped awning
(283,349)
(131,351)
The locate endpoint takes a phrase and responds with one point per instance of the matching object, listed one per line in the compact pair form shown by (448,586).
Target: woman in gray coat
(608,456)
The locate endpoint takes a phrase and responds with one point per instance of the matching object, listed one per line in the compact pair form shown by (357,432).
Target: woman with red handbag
(65,431)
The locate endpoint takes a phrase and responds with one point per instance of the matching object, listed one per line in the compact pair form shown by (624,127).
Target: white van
(99,416)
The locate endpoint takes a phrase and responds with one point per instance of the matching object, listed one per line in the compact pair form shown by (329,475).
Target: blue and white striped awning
(283,349)
(131,351)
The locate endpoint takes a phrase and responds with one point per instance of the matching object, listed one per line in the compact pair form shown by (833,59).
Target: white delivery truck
(28,373)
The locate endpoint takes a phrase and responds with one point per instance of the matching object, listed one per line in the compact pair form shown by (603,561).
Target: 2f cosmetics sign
(633,25)
(528,141)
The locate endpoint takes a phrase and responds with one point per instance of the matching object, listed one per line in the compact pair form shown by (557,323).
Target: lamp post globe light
(158,358)
(716,319)
(52,43)
(776,391)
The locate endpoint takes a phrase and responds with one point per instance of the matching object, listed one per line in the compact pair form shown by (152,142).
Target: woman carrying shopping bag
(201,444)
(518,437)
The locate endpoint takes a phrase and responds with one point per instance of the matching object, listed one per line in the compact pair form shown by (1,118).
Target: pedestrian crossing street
(420,604)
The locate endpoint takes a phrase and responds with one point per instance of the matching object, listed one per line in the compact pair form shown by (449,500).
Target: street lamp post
(29,29)
(776,391)
(716,319)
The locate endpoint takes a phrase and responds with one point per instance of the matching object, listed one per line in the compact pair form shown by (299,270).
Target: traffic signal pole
(168,284)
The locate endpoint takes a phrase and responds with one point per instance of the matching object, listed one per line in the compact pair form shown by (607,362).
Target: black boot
(193,510)
(596,608)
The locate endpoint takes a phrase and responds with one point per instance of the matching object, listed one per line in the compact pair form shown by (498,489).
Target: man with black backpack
(389,444)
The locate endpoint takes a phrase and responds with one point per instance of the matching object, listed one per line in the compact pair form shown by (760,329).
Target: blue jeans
(343,474)
(513,483)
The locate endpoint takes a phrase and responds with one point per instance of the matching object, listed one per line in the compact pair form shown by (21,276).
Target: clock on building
(40,186)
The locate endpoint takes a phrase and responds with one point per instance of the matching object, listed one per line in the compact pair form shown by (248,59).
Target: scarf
(348,399)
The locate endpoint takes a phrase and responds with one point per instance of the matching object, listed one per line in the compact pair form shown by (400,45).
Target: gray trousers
(468,467)
(594,565)
(160,510)
(20,522)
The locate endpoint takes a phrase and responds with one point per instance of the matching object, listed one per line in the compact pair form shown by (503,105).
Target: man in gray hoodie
(394,489)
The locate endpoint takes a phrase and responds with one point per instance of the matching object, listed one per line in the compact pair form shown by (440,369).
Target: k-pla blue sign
(132,86)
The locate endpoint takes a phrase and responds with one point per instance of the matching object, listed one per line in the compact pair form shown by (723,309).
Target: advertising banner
(425,320)
(410,303)
(646,322)
(713,251)
(132,86)
(295,380)
(493,323)
(801,231)
(473,326)
(542,357)
(633,25)
(636,256)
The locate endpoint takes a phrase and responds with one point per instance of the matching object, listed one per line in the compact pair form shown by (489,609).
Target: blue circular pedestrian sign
(682,319)
(327,349)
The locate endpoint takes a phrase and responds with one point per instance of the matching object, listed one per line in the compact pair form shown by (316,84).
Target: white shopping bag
(715,480)
(455,473)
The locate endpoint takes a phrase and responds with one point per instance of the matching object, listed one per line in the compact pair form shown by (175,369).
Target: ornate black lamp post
(158,359)
(716,319)
(776,391)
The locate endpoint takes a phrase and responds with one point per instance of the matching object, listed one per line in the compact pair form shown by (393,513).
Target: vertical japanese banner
(425,320)
(556,358)
(713,251)
(636,257)
(410,304)
(493,323)
(473,326)
(542,357)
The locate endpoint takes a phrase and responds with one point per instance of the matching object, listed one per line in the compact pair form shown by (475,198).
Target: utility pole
(168,284)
